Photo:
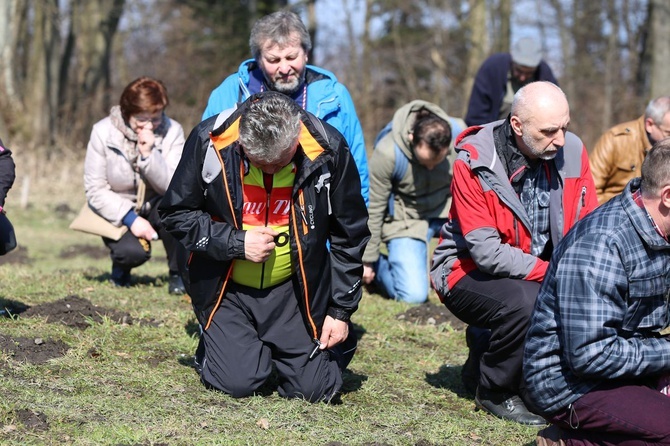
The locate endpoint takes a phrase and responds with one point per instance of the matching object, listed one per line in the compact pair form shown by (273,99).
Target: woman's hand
(141,228)
(146,139)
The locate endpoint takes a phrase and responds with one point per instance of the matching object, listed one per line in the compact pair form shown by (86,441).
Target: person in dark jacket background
(7,173)
(264,285)
(502,75)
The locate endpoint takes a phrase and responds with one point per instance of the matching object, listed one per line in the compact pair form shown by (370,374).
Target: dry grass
(133,385)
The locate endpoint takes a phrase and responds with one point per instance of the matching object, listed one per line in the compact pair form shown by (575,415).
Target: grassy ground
(122,384)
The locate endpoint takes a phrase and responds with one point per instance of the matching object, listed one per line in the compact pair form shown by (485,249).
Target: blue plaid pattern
(602,305)
(534,197)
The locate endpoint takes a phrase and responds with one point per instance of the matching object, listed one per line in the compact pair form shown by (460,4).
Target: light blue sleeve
(353,133)
(223,97)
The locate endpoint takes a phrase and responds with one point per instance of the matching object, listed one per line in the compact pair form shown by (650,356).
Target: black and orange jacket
(327,206)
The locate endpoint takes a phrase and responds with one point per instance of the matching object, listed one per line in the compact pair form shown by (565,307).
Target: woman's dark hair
(431,129)
(144,94)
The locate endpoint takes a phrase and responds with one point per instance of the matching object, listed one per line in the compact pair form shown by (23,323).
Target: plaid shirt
(534,196)
(602,305)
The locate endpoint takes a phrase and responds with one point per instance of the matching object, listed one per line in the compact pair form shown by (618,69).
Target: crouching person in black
(256,199)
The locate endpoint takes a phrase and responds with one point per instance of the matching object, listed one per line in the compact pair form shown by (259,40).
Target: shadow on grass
(135,279)
(449,377)
(9,307)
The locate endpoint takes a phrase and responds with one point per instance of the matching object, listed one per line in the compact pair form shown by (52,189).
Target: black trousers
(504,306)
(251,330)
(128,252)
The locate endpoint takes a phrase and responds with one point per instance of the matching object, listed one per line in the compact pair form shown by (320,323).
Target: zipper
(267,182)
(301,201)
(580,204)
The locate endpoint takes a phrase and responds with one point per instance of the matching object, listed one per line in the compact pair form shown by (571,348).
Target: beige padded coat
(110,177)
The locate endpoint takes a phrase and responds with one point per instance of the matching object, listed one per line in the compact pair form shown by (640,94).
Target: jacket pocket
(647,304)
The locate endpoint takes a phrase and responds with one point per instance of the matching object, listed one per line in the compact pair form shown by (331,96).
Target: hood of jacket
(404,118)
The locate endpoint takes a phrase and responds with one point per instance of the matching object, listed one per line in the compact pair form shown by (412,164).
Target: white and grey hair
(270,127)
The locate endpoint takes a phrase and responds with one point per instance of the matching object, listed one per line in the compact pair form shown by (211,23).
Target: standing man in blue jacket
(280,44)
(502,75)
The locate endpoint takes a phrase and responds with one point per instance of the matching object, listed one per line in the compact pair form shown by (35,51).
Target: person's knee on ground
(238,385)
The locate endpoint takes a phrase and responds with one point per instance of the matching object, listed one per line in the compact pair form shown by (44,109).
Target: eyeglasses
(143,119)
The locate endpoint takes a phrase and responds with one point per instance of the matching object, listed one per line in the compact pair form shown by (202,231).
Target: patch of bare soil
(431,314)
(94,252)
(77,312)
(35,421)
(17,257)
(32,350)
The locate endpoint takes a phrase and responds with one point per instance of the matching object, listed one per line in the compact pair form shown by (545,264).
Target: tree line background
(64,63)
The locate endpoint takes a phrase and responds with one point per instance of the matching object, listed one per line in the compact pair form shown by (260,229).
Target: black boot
(176,285)
(506,405)
(120,276)
(477,340)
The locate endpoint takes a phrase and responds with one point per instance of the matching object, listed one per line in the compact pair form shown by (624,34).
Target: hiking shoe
(477,340)
(120,276)
(507,406)
(199,357)
(550,436)
(176,285)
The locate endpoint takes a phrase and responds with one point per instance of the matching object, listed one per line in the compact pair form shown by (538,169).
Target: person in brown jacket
(617,156)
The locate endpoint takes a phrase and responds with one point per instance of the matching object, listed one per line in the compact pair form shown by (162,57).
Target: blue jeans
(403,274)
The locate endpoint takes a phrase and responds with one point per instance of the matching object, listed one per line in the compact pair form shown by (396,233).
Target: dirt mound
(77,312)
(431,314)
(32,350)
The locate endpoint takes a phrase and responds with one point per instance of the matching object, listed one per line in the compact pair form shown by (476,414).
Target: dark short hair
(431,129)
(144,94)
(278,28)
(656,168)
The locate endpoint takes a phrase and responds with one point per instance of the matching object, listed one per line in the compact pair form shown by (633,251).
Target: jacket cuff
(129,218)
(339,313)
(237,247)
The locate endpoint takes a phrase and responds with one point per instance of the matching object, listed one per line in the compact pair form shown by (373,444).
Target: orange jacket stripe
(309,145)
(218,299)
(302,272)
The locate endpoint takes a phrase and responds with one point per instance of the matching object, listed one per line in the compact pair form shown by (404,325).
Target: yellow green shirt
(263,207)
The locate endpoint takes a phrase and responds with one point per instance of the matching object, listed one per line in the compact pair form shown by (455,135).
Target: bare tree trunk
(94,24)
(567,80)
(42,74)
(611,65)
(660,45)
(503,40)
(478,44)
(311,24)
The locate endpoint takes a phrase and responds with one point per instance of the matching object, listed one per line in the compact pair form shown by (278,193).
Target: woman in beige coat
(130,159)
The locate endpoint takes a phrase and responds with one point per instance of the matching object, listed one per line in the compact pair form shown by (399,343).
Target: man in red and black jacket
(276,237)
(519,185)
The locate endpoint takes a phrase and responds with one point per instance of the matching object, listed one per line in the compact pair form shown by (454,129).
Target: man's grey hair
(270,127)
(657,108)
(524,97)
(278,28)
(656,168)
